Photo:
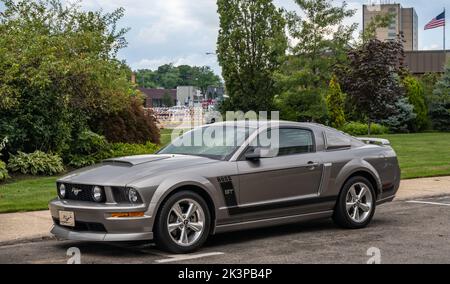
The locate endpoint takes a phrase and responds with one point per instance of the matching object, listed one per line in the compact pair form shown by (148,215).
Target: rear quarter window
(338,141)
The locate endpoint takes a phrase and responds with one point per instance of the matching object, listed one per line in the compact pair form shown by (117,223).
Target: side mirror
(253,156)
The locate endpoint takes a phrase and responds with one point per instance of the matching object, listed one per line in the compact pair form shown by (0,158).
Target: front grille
(80,192)
(83,226)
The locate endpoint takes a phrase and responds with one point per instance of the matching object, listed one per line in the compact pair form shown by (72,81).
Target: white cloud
(191,59)
(175,18)
(181,31)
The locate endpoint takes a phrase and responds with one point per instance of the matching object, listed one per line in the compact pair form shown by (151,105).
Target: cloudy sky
(183,31)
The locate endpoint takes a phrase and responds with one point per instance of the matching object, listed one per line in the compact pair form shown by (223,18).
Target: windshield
(217,142)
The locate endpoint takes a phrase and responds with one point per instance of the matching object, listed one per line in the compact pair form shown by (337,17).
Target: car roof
(263,124)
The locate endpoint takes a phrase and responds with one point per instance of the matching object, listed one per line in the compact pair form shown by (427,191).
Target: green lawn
(420,155)
(29,194)
(166,135)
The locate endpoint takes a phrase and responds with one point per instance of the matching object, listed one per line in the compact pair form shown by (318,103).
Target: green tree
(371,79)
(146,78)
(377,22)
(204,78)
(428,82)
(58,69)
(335,104)
(167,100)
(440,102)
(170,77)
(416,96)
(321,40)
(250,44)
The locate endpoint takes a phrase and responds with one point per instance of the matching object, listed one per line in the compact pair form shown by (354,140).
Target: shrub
(416,96)
(403,117)
(124,149)
(133,125)
(3,171)
(89,148)
(57,61)
(37,163)
(357,129)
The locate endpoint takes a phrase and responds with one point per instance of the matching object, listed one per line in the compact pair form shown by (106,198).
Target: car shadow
(317,226)
(147,248)
(270,232)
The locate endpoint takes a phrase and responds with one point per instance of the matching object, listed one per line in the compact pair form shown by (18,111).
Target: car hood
(122,171)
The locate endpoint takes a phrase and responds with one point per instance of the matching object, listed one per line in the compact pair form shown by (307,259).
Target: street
(402,232)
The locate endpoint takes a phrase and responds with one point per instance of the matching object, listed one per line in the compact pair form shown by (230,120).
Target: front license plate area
(67,218)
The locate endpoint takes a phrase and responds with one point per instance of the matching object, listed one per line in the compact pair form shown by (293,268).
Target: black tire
(341,215)
(163,240)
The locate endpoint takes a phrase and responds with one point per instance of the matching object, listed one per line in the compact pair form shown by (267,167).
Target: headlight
(97,194)
(133,196)
(62,191)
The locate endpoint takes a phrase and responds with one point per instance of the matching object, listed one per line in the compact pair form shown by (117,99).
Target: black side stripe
(228,191)
(235,210)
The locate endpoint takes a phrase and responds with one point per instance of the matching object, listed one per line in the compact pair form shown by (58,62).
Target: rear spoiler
(375,141)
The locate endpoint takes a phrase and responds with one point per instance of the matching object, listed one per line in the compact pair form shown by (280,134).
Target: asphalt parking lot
(415,231)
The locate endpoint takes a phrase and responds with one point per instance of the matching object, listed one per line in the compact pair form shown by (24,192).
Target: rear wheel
(183,223)
(356,204)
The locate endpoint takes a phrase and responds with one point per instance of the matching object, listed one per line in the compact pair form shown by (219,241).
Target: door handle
(312,165)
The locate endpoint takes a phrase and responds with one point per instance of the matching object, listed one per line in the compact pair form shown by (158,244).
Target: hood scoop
(135,160)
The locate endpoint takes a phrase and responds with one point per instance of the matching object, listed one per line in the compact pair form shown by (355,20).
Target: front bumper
(95,223)
(64,233)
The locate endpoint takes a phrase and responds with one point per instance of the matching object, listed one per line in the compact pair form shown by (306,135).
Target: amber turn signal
(127,214)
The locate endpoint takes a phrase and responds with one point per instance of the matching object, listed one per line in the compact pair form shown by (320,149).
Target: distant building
(426,61)
(188,96)
(155,97)
(405,20)
(215,93)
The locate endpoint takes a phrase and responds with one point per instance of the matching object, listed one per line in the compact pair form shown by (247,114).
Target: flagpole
(445,24)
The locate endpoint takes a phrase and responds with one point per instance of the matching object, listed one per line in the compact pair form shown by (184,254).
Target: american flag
(439,21)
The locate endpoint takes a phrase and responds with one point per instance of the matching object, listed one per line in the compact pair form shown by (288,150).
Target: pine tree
(440,103)
(335,104)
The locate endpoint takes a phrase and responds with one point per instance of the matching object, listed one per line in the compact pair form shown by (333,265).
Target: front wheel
(356,204)
(183,223)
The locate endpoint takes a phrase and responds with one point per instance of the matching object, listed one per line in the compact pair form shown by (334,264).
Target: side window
(290,141)
(295,141)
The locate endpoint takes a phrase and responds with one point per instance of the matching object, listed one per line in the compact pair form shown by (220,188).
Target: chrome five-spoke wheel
(356,204)
(185,222)
(359,202)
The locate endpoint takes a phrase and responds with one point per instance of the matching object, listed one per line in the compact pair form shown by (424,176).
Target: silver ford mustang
(224,177)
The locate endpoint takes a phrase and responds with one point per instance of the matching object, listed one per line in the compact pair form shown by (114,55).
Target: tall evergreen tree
(440,103)
(335,104)
(250,44)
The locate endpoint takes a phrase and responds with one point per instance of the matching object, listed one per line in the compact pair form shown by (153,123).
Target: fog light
(97,194)
(133,196)
(62,191)
(127,214)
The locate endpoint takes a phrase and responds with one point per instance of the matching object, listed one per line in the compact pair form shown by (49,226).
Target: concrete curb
(31,239)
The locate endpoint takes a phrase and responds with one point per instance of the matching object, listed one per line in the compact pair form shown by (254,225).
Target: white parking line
(427,202)
(181,257)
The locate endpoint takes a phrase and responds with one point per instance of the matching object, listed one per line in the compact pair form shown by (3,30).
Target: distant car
(212,116)
(183,194)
